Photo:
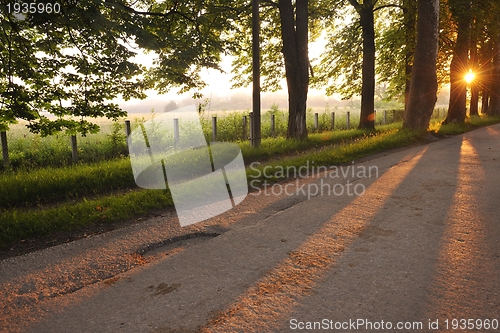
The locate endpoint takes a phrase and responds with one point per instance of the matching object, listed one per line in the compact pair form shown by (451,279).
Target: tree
(74,64)
(395,48)
(423,86)
(494,108)
(294,32)
(460,11)
(397,33)
(285,29)
(493,32)
(474,60)
(76,61)
(350,53)
(366,20)
(410,19)
(485,73)
(187,36)
(17,61)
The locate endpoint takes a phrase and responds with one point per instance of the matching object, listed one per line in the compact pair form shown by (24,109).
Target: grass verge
(330,148)
(18,224)
(470,124)
(31,188)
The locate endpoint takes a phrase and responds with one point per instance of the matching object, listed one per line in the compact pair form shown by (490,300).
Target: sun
(469,77)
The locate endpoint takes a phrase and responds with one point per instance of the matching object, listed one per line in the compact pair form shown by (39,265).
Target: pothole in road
(182,241)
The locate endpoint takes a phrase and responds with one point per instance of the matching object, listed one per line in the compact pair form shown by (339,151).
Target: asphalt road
(419,251)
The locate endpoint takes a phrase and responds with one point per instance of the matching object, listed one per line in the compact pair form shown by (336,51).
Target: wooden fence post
(272,125)
(214,128)
(244,125)
(316,122)
(127,128)
(74,149)
(176,132)
(348,120)
(251,129)
(333,121)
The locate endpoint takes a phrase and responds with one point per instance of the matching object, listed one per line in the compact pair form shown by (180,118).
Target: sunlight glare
(469,77)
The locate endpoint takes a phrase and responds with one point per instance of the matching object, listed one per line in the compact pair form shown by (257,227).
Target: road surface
(418,251)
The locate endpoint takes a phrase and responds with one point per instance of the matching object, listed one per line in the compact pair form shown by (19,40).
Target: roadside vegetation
(40,198)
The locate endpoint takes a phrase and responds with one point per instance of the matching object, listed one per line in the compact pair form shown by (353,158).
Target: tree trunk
(256,102)
(494,108)
(474,86)
(458,69)
(367,116)
(474,99)
(410,19)
(294,29)
(485,98)
(423,86)
(484,77)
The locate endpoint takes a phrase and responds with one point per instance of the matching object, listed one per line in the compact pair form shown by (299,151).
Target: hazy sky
(218,84)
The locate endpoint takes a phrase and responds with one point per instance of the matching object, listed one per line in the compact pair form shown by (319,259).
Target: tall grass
(28,150)
(28,188)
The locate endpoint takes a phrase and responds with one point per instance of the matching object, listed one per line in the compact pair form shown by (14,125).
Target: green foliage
(391,60)
(190,36)
(342,58)
(117,140)
(73,63)
(77,62)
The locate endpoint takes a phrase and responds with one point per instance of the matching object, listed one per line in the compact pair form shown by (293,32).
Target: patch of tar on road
(163,288)
(184,241)
(373,233)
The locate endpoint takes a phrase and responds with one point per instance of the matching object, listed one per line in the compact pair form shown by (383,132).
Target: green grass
(18,223)
(25,188)
(31,151)
(470,124)
(30,188)
(30,199)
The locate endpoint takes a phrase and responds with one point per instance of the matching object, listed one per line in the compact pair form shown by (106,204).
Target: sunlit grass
(86,185)
(456,128)
(39,201)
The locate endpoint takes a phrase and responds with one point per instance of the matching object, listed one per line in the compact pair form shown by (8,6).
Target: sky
(218,84)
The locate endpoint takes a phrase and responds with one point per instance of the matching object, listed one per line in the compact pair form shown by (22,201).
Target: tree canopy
(73,63)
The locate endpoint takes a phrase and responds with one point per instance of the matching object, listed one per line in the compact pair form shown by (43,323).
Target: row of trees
(476,48)
(76,61)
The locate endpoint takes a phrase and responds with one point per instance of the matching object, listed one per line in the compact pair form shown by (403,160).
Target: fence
(318,123)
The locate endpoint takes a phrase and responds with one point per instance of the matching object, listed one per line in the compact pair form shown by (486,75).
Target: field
(28,150)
